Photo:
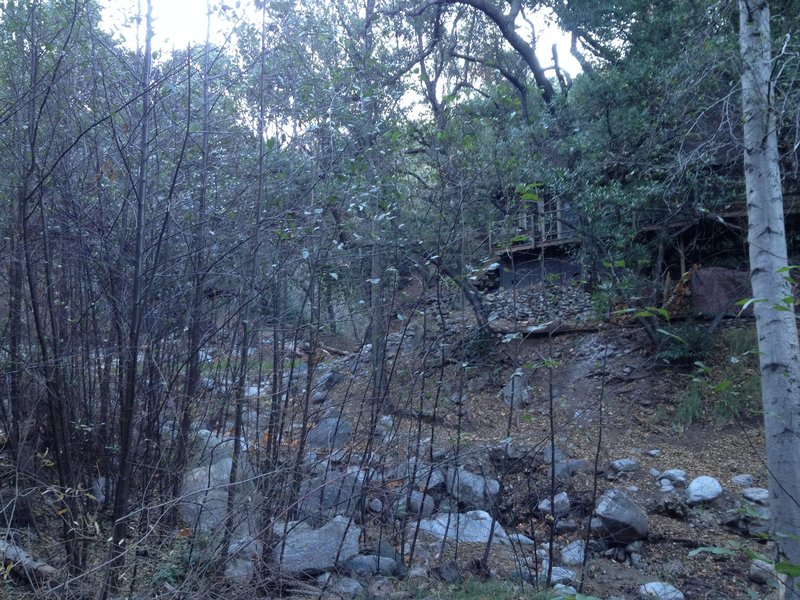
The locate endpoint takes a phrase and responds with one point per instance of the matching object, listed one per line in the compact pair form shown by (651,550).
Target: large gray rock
(743,480)
(330,432)
(625,465)
(474,491)
(372,564)
(510,458)
(329,380)
(473,526)
(346,587)
(762,571)
(674,476)
(243,556)
(565,468)
(703,489)
(204,499)
(559,576)
(315,550)
(658,590)
(206,448)
(415,504)
(755,494)
(332,493)
(558,507)
(572,554)
(620,517)
(515,393)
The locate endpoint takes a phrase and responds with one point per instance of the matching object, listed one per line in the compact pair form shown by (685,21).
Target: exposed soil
(631,398)
(603,395)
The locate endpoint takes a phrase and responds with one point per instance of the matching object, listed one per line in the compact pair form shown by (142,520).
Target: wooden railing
(546,225)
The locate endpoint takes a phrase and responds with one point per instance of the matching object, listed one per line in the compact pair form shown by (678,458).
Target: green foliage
(690,407)
(602,297)
(683,345)
(787,568)
(727,390)
(190,554)
(477,345)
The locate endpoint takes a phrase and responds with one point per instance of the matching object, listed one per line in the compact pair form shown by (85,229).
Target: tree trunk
(130,359)
(774,307)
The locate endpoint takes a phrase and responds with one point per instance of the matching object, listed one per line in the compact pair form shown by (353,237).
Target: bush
(730,388)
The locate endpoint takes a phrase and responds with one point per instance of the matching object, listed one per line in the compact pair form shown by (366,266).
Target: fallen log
(551,328)
(23,565)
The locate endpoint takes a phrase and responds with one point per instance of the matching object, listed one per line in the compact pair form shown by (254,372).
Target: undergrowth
(479,590)
(727,386)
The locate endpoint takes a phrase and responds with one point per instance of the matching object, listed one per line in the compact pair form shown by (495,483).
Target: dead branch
(24,565)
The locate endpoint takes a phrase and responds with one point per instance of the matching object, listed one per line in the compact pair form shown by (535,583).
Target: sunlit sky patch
(177,23)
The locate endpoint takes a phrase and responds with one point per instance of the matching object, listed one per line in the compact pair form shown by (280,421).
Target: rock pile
(540,303)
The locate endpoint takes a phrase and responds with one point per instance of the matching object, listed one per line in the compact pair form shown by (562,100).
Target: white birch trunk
(774,310)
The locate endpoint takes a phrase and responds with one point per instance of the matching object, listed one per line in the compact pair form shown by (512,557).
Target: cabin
(540,242)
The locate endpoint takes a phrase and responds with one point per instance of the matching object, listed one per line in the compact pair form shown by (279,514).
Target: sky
(179,22)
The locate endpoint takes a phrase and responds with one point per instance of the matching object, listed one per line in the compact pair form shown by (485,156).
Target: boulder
(363,565)
(510,459)
(572,554)
(330,432)
(743,480)
(206,448)
(415,504)
(474,491)
(565,468)
(755,494)
(329,380)
(447,573)
(762,571)
(473,526)
(620,517)
(330,494)
(559,575)
(676,477)
(345,587)
(243,555)
(204,499)
(558,507)
(306,550)
(625,465)
(703,489)
(658,590)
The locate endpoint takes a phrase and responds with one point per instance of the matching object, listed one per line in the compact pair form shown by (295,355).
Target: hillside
(351,480)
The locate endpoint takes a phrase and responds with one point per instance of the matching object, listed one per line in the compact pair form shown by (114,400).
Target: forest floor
(702,418)
(601,394)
